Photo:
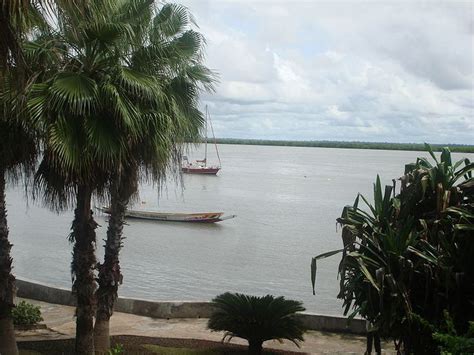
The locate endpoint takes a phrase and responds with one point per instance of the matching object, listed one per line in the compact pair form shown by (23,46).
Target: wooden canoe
(205,217)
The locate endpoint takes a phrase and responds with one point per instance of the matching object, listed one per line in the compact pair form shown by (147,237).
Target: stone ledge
(176,309)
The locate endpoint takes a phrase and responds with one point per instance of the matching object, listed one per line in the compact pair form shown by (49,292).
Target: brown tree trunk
(110,276)
(102,334)
(7,280)
(82,268)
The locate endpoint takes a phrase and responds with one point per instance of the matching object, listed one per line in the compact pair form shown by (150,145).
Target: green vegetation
(18,146)
(167,55)
(26,313)
(257,319)
(117,350)
(347,145)
(453,343)
(164,350)
(110,95)
(408,256)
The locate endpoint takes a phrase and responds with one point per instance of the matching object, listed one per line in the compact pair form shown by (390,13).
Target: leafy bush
(411,253)
(117,350)
(257,319)
(451,342)
(26,314)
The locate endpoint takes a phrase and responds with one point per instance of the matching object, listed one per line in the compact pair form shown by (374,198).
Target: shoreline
(415,147)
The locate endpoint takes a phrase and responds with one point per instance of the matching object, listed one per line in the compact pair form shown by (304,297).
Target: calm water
(286,199)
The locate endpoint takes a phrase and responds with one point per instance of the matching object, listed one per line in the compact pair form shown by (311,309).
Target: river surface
(286,200)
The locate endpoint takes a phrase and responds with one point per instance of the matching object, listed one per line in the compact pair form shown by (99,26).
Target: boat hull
(207,217)
(203,171)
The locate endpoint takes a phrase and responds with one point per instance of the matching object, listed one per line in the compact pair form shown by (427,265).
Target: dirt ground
(141,345)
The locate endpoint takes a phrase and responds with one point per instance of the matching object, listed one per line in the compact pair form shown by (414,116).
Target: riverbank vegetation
(407,262)
(348,145)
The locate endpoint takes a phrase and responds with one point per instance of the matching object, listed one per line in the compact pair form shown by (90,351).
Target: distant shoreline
(461,148)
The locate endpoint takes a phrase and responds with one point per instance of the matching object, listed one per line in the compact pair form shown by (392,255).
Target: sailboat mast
(215,141)
(205,148)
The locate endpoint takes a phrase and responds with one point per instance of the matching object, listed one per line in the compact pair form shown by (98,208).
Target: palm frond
(171,20)
(73,93)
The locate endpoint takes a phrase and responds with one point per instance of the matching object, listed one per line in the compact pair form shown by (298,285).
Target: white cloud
(391,71)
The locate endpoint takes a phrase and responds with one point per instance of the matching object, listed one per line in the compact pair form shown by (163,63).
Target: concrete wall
(175,309)
(41,292)
(172,309)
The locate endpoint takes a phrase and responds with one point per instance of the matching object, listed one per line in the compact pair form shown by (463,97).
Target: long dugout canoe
(204,217)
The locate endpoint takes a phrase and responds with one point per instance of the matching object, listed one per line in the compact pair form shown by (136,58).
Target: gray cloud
(391,71)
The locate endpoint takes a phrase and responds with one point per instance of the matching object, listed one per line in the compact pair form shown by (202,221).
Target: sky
(381,71)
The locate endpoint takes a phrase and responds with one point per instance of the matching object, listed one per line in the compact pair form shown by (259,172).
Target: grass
(164,350)
(143,346)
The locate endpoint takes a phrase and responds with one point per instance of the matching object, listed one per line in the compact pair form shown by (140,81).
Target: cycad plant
(408,256)
(257,319)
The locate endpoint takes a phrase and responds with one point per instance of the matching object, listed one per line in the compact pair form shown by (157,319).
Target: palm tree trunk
(110,276)
(7,280)
(82,267)
(255,347)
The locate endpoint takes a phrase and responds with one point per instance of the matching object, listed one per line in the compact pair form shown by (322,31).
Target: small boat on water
(205,217)
(200,166)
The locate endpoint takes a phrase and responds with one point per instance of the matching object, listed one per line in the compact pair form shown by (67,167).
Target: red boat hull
(206,170)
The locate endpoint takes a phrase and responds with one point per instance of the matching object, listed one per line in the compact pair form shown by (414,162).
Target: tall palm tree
(18,142)
(91,110)
(171,53)
(17,154)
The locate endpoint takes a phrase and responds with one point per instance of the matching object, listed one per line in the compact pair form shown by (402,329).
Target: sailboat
(200,166)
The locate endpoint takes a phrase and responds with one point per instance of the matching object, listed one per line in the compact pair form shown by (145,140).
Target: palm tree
(91,110)
(17,154)
(18,142)
(257,319)
(171,54)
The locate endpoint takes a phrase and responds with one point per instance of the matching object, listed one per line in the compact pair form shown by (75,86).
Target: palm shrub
(257,319)
(408,256)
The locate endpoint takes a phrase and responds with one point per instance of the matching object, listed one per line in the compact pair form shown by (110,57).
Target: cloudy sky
(395,71)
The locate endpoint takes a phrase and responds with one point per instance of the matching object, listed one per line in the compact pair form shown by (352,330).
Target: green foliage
(411,253)
(165,350)
(117,350)
(120,85)
(26,314)
(257,319)
(451,342)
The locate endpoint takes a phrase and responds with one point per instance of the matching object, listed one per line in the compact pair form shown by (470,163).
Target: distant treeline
(348,145)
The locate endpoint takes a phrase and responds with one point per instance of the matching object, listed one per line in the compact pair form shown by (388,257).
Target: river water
(286,200)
